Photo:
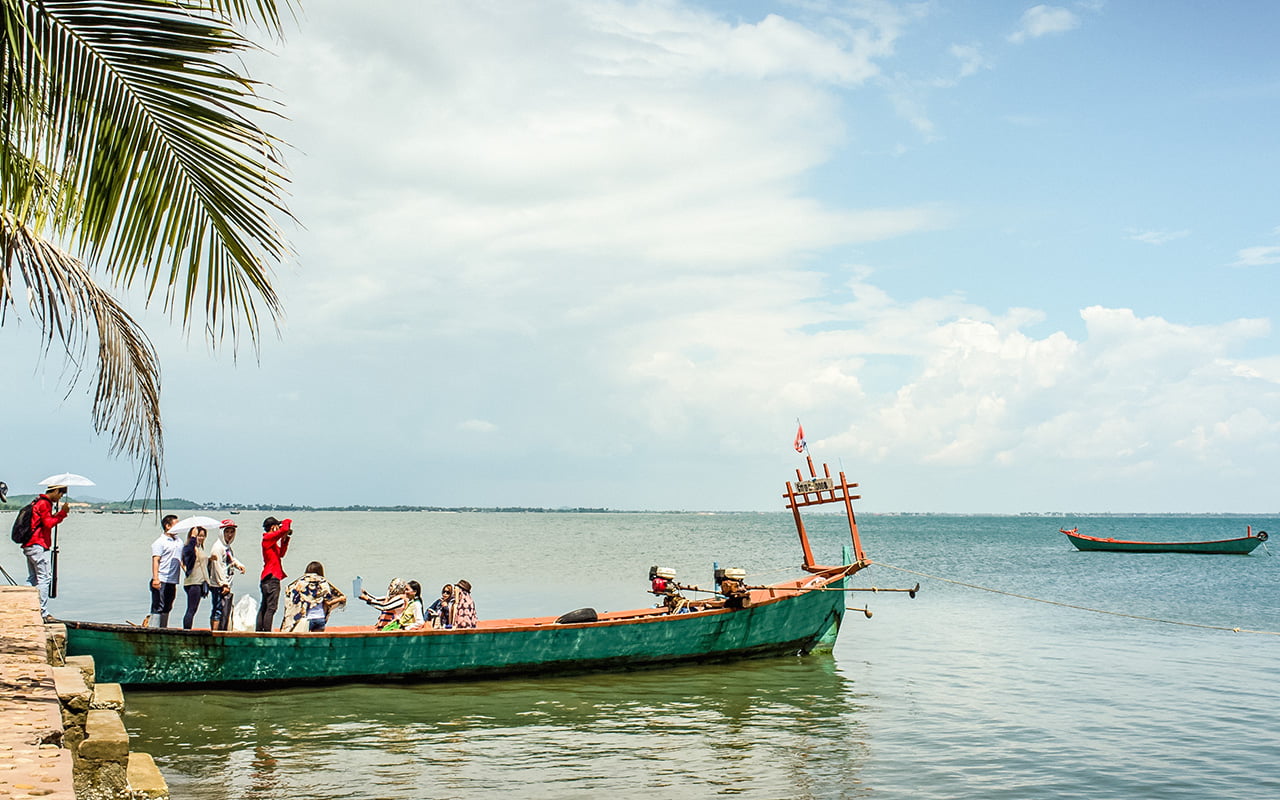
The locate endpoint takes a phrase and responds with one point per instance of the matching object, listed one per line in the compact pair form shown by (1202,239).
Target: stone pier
(62,736)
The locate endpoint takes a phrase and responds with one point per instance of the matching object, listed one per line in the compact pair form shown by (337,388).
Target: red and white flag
(801,444)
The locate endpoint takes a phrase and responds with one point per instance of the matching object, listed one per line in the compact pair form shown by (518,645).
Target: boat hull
(1242,546)
(792,622)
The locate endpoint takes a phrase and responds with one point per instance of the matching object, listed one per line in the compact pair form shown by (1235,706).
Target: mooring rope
(1077,607)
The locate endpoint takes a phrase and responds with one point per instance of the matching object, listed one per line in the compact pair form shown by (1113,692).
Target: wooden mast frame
(817,491)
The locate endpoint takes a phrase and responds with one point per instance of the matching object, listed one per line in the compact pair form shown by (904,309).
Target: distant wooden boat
(1242,546)
(790,617)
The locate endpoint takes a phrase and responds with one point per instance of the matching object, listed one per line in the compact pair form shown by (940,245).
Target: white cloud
(1158,237)
(1133,395)
(593,228)
(533,159)
(1043,20)
(971,58)
(1257,256)
(654,40)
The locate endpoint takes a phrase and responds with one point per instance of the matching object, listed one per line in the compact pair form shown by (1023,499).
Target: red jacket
(43,519)
(274,546)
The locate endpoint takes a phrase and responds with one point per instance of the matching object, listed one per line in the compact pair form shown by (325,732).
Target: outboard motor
(732,584)
(661,579)
(662,582)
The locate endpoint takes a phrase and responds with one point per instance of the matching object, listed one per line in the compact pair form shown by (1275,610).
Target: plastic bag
(244,617)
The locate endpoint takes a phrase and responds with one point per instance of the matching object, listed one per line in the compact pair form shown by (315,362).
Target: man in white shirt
(222,567)
(166,567)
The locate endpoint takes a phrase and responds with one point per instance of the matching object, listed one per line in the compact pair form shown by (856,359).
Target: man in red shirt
(275,543)
(43,519)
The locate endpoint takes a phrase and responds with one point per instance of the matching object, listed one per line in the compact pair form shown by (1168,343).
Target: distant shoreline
(16,502)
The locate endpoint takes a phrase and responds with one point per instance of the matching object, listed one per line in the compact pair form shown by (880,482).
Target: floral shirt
(464,609)
(311,590)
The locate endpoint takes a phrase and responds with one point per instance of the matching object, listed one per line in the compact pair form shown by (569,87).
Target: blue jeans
(314,625)
(39,573)
(162,602)
(221,607)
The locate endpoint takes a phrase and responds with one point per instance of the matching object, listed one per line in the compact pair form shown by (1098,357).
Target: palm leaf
(69,305)
(128,144)
(177,188)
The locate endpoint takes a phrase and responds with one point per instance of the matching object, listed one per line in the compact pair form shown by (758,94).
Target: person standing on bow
(166,566)
(222,567)
(196,565)
(43,519)
(275,543)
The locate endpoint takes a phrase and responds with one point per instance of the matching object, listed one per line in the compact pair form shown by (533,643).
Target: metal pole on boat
(53,564)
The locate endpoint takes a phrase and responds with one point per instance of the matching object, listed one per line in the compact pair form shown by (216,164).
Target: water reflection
(772,728)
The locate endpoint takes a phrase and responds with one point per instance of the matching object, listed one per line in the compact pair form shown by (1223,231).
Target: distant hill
(17,501)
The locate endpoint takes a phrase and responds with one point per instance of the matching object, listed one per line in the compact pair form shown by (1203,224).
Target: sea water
(961,692)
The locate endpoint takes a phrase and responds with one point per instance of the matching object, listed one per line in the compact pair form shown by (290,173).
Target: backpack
(22,532)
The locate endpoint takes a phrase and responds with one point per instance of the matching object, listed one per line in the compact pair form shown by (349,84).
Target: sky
(996,257)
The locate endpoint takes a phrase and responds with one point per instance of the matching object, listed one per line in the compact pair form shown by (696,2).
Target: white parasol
(66,479)
(184,525)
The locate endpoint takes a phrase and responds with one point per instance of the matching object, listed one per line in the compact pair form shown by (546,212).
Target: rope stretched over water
(1078,608)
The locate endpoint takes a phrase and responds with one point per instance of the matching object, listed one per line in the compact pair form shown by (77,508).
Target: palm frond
(128,143)
(69,306)
(265,13)
(178,188)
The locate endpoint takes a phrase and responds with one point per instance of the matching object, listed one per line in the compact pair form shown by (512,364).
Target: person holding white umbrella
(166,563)
(44,519)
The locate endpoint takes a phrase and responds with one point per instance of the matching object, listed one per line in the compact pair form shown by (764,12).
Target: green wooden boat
(792,617)
(1242,546)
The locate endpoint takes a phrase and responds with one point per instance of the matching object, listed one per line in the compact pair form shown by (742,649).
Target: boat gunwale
(777,593)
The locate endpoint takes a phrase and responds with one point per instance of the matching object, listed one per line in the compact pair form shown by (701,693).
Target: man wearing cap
(43,520)
(222,567)
(275,543)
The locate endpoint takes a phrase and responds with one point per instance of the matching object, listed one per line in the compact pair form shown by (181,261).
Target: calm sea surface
(959,693)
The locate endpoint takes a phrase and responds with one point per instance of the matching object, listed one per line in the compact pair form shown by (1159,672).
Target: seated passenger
(411,617)
(390,605)
(440,615)
(464,608)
